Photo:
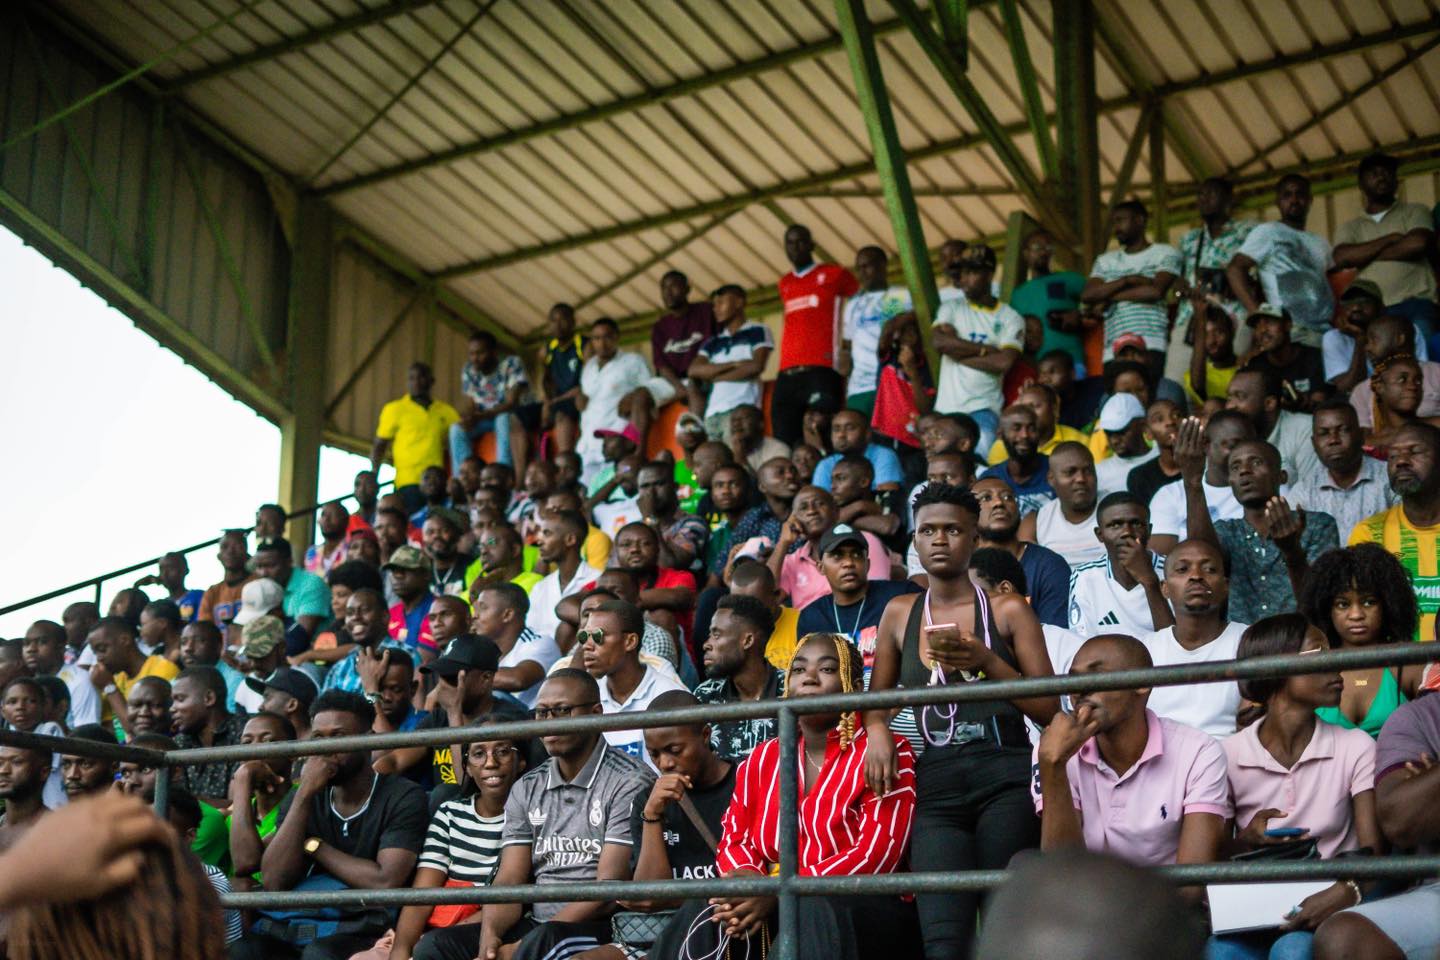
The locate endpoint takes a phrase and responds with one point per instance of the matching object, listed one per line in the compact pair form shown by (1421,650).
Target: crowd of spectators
(1250,468)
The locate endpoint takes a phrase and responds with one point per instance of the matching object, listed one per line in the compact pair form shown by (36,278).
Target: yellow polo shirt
(1415,548)
(780,649)
(155,666)
(417,434)
(1061,435)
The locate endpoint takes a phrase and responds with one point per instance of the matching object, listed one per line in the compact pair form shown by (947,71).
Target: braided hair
(1381,419)
(170,912)
(852,676)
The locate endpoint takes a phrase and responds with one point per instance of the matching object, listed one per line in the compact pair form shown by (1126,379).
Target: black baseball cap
(842,533)
(469,651)
(296,683)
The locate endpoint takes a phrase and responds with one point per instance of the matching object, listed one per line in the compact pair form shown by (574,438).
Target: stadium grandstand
(977,444)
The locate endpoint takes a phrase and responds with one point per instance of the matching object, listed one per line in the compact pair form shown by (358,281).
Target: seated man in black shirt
(1301,369)
(854,605)
(345,826)
(464,697)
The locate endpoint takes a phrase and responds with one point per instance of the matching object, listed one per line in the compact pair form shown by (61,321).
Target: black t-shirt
(1081,408)
(442,767)
(1302,376)
(1147,478)
(858,621)
(396,817)
(690,856)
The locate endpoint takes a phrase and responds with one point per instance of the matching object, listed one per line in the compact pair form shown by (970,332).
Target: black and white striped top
(461,843)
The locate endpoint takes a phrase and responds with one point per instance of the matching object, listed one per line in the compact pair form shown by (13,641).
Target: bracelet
(645,819)
(1355,889)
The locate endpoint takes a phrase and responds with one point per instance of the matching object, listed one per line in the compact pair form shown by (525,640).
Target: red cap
(629,433)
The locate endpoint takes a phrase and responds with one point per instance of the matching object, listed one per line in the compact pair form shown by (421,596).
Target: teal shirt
(1054,291)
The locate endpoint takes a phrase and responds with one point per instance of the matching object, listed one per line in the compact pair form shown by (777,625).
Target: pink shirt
(1362,397)
(1336,765)
(802,578)
(1137,816)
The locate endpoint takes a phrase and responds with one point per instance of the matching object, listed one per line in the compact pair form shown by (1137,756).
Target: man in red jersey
(812,294)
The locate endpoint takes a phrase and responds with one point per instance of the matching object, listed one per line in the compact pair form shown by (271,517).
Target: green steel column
(1076,112)
(1160,193)
(859,38)
(302,428)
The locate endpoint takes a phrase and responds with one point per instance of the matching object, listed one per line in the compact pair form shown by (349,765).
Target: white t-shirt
(604,387)
(1292,265)
(1076,542)
(727,347)
(548,592)
(1167,508)
(652,684)
(865,316)
(964,389)
(1338,349)
(1291,436)
(1149,320)
(84,698)
(1112,473)
(1099,605)
(611,517)
(535,647)
(1206,706)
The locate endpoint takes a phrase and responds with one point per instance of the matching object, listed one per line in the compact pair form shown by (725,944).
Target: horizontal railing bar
(1025,687)
(132,568)
(1345,868)
(84,748)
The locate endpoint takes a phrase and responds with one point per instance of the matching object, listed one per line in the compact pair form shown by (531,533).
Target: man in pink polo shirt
(798,573)
(1118,779)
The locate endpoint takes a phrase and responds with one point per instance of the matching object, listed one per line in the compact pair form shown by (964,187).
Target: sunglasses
(590,636)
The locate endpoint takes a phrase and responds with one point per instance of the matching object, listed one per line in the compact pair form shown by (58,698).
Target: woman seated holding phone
(972,771)
(1297,778)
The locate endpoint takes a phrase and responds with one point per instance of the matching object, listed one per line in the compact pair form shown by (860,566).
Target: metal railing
(101,579)
(787,886)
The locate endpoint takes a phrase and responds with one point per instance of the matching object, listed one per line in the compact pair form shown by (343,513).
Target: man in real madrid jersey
(566,820)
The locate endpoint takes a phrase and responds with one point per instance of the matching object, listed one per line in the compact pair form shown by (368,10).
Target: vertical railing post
(162,790)
(786,945)
(97,597)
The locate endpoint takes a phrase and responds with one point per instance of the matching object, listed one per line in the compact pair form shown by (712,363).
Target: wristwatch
(312,846)
(374,699)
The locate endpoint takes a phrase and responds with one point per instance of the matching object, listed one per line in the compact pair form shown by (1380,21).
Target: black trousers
(829,928)
(545,941)
(974,811)
(795,389)
(255,946)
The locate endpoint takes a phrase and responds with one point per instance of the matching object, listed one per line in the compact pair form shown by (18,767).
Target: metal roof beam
(890,164)
(329,31)
(857,170)
(1030,89)
(648,98)
(833,44)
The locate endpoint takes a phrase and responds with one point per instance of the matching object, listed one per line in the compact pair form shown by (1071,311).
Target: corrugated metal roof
(528,62)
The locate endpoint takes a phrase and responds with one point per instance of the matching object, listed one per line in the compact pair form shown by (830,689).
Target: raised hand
(1190,448)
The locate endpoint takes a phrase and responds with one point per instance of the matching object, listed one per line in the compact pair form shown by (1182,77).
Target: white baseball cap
(1120,411)
(258,598)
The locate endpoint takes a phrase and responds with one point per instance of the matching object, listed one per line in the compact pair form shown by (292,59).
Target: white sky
(118,451)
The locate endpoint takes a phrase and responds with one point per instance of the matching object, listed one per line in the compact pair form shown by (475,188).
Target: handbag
(895,413)
(632,928)
(1303,848)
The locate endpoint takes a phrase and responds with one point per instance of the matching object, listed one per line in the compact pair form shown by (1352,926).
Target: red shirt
(812,301)
(845,829)
(668,578)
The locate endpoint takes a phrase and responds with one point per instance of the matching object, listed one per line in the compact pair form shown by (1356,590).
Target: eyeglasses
(561,710)
(1002,497)
(498,753)
(586,636)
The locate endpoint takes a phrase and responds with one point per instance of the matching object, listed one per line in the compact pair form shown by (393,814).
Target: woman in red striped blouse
(845,829)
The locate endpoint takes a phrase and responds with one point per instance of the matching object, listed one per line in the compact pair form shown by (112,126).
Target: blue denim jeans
(1425,314)
(461,439)
(1261,945)
(989,423)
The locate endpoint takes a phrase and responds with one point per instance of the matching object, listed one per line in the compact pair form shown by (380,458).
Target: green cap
(1362,290)
(409,558)
(262,635)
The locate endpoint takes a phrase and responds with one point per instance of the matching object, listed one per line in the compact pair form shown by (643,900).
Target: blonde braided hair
(852,677)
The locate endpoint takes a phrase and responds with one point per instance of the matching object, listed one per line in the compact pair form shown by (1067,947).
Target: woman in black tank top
(973,804)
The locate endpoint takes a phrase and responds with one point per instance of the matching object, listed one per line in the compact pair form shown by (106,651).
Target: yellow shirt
(155,666)
(1414,547)
(1217,383)
(1062,434)
(780,650)
(596,548)
(417,434)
